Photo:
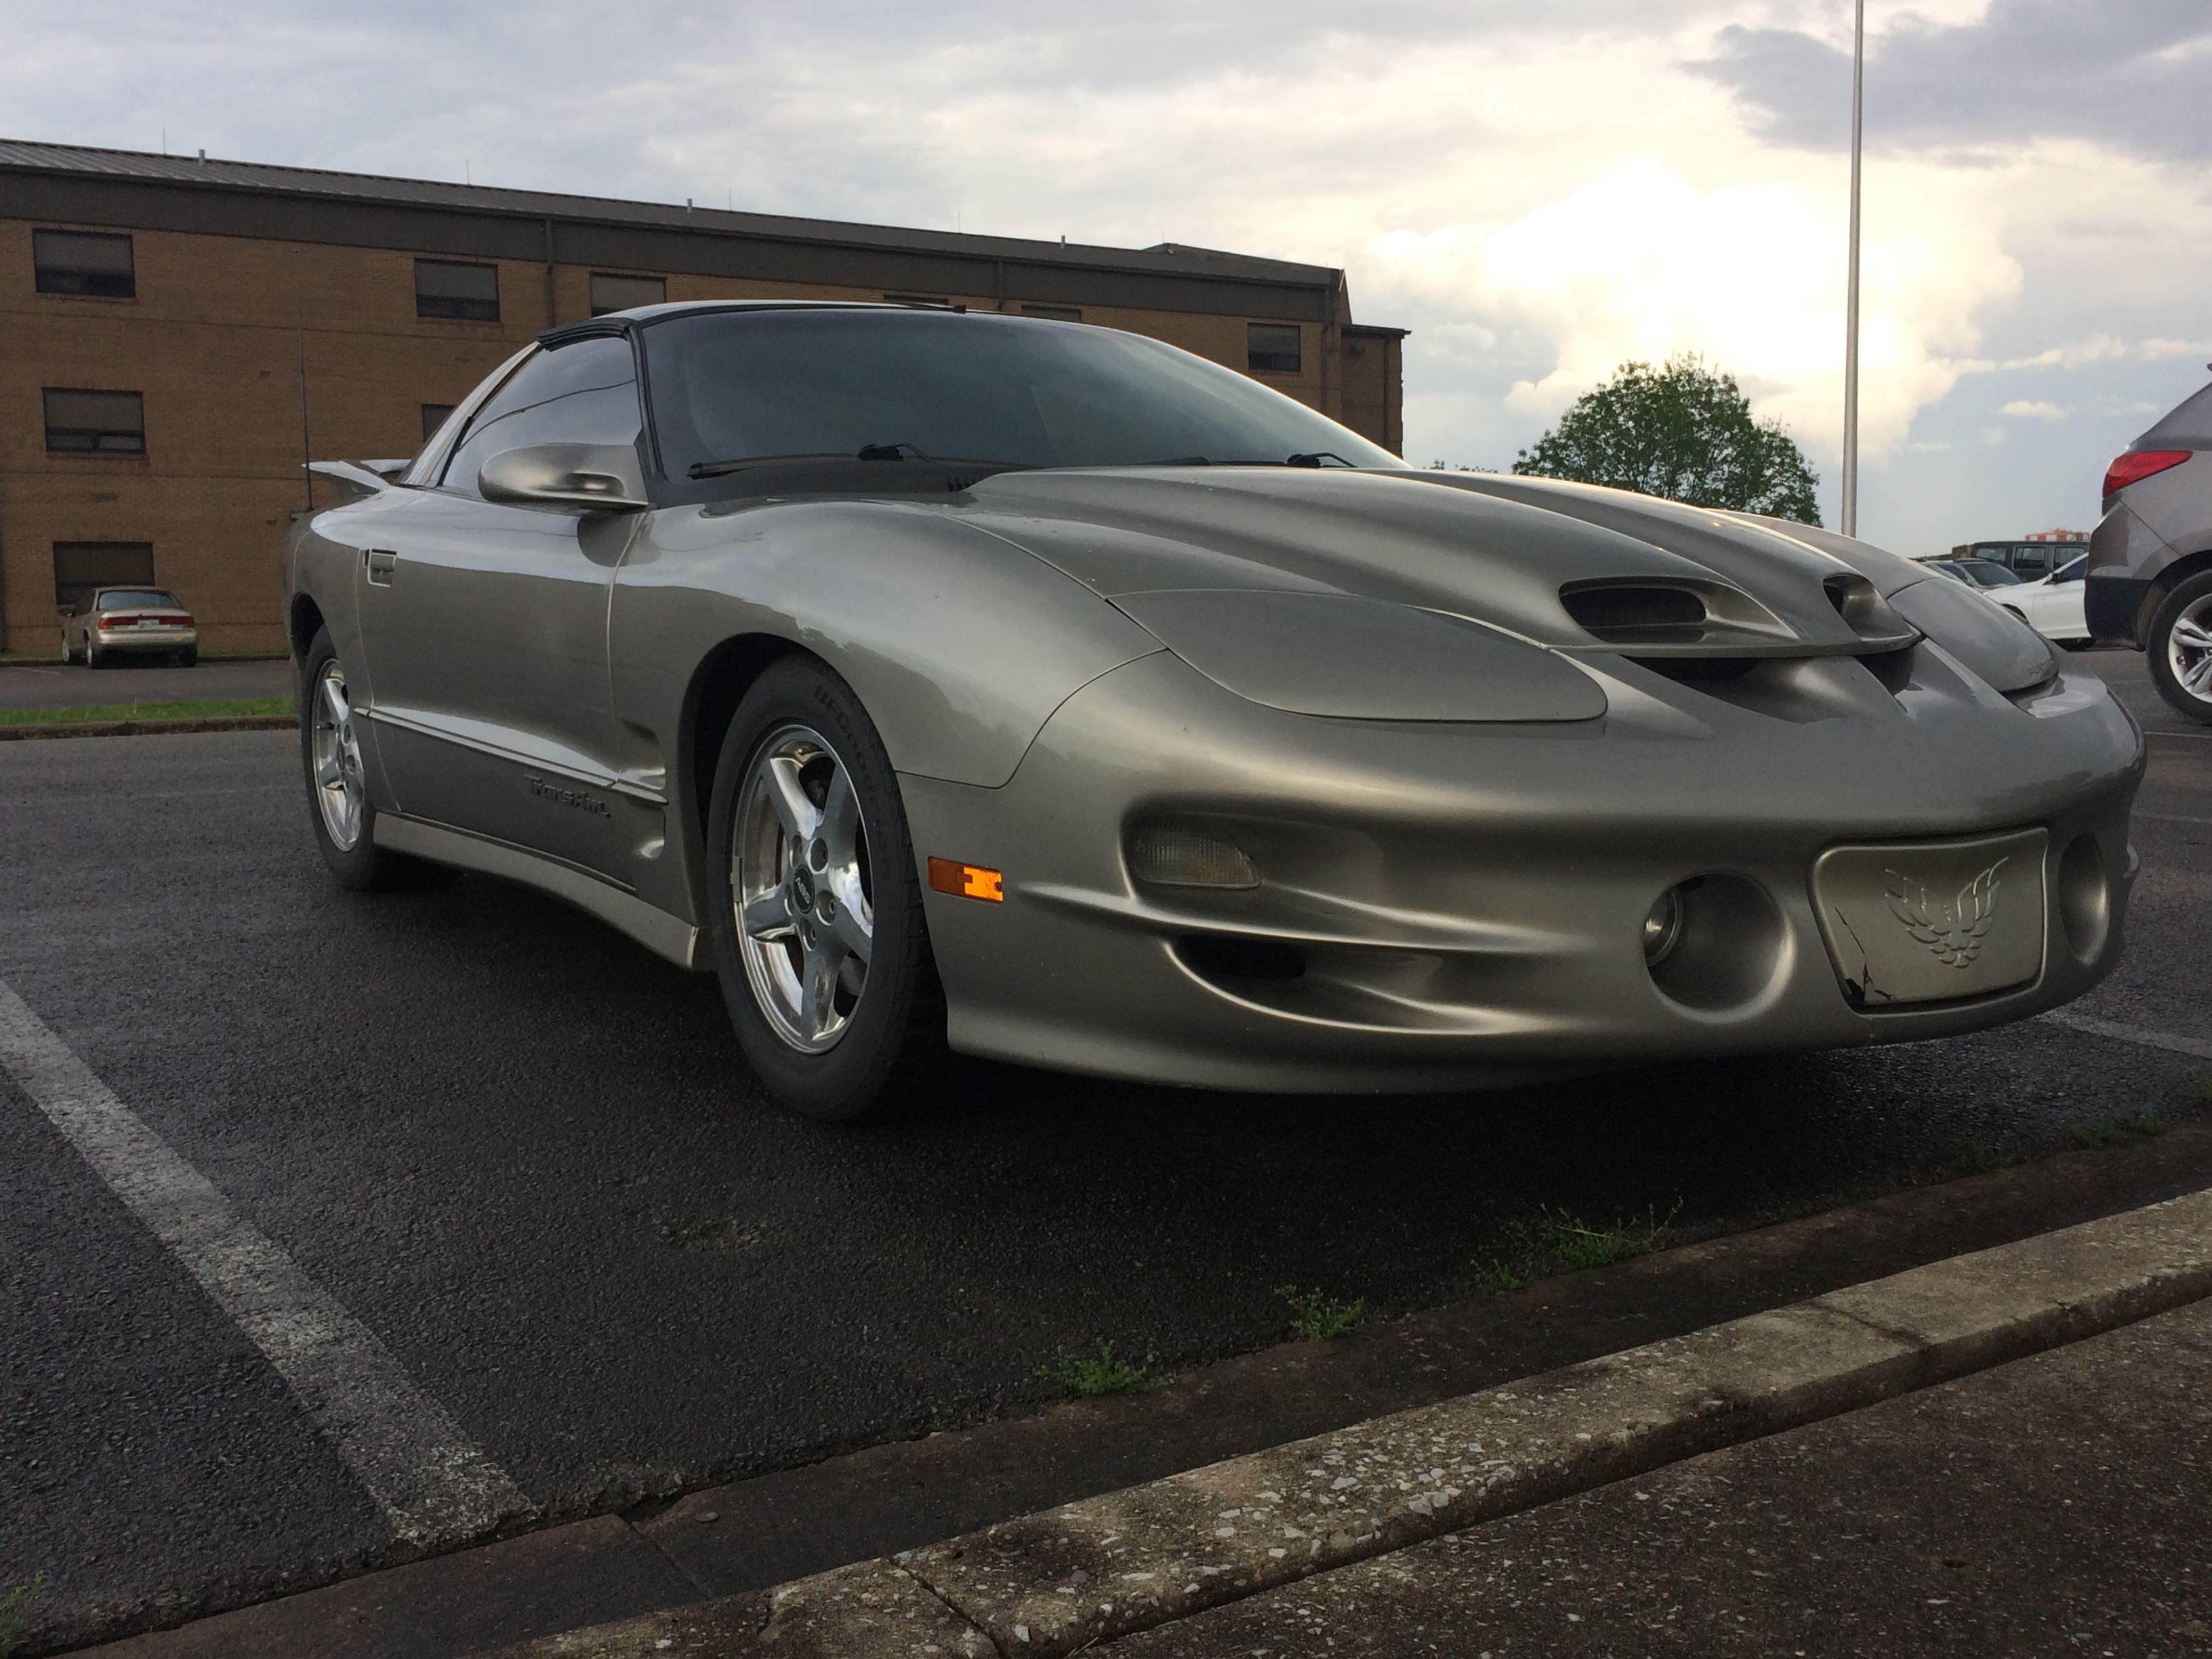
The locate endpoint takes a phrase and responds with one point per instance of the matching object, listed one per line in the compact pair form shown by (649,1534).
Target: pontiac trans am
(941,679)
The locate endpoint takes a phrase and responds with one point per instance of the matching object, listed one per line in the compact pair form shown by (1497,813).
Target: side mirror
(602,476)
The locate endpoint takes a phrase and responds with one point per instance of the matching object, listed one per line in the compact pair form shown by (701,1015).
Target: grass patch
(1576,1246)
(2147,1123)
(1090,1375)
(2202,1089)
(1561,1241)
(2102,1133)
(14,1615)
(1971,1158)
(221,708)
(1320,1318)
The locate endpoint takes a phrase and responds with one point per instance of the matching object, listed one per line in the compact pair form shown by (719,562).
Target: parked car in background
(2150,556)
(2051,605)
(128,621)
(1976,573)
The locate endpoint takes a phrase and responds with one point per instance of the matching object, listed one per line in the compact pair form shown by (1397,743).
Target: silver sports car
(1037,689)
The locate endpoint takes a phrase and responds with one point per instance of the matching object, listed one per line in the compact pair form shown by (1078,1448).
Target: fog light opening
(1168,855)
(1728,950)
(2085,900)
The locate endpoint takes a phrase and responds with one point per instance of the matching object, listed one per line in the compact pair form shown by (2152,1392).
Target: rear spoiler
(362,474)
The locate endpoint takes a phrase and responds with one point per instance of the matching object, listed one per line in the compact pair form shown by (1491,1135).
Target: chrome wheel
(2189,649)
(335,755)
(800,885)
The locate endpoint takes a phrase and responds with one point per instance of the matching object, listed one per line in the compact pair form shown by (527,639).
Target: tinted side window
(585,392)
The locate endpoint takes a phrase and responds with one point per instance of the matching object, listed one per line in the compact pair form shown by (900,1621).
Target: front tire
(817,920)
(2180,648)
(338,806)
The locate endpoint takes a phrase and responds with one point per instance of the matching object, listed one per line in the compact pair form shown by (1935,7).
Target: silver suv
(2150,557)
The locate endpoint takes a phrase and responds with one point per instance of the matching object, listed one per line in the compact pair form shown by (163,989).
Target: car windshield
(1989,573)
(734,387)
(132,598)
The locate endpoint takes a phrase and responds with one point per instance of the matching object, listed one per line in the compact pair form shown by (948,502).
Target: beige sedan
(135,621)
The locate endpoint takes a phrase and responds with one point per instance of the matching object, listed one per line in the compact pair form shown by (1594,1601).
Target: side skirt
(665,935)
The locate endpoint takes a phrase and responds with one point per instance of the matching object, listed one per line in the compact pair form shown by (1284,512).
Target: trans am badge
(1953,930)
(1921,921)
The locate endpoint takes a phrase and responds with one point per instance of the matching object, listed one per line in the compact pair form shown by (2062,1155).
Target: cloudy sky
(1540,189)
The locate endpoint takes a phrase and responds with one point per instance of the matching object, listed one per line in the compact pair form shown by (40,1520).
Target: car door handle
(380,565)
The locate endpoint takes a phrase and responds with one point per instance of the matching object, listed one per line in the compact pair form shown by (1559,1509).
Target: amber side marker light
(966,880)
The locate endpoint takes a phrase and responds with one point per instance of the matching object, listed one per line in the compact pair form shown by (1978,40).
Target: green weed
(1576,1246)
(1319,1318)
(1971,1158)
(2147,1123)
(14,1615)
(1500,1278)
(1090,1375)
(2102,1133)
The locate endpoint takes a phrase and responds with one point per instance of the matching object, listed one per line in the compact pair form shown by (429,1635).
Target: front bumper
(1467,901)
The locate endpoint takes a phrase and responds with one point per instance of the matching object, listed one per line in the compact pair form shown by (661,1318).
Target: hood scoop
(1672,614)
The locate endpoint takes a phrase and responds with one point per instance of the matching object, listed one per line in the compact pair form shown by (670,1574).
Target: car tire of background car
(189,658)
(338,788)
(2180,646)
(69,651)
(809,870)
(92,657)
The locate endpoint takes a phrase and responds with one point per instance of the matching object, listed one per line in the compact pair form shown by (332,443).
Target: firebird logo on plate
(1952,931)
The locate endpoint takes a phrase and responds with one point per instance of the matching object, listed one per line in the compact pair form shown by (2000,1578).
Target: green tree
(1683,432)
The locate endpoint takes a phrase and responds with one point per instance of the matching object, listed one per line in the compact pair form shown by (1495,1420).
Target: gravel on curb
(1054,1582)
(148,728)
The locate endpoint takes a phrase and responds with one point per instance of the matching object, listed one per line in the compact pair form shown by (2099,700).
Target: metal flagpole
(1850,526)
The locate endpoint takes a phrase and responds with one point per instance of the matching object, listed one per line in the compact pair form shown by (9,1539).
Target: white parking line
(2105,1028)
(2169,817)
(435,1485)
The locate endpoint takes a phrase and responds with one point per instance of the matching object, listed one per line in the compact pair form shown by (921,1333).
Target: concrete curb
(1054,1582)
(149,728)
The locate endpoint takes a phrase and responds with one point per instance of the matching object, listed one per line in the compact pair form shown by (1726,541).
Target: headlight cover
(1996,647)
(1349,658)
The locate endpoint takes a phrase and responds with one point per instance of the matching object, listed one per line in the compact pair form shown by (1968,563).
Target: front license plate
(1933,921)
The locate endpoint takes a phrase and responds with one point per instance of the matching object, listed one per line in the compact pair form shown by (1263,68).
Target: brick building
(180,335)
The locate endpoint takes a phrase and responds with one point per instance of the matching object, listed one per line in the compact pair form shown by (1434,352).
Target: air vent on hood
(1620,614)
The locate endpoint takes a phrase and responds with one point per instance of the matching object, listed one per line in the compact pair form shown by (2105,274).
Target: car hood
(1573,566)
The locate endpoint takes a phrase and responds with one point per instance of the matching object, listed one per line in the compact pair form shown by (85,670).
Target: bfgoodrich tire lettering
(817,927)
(2180,646)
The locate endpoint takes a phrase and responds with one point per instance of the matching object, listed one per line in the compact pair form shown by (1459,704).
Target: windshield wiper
(1315,458)
(870,452)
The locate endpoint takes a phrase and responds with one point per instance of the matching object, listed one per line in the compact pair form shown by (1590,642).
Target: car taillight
(179,622)
(116,622)
(2138,465)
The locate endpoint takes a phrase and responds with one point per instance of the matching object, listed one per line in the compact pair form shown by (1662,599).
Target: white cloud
(2022,410)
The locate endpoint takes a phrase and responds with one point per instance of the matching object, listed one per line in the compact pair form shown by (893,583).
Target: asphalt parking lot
(527,1156)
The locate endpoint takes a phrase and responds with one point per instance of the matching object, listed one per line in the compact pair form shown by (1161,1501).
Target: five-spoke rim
(337,753)
(2189,649)
(800,888)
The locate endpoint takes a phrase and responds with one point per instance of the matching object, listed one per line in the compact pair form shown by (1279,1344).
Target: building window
(1273,348)
(78,262)
(612,292)
(1055,313)
(468,293)
(80,567)
(95,422)
(433,416)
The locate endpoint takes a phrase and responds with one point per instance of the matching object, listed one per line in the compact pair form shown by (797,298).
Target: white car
(2050,605)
